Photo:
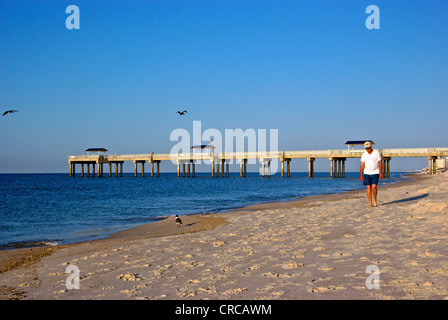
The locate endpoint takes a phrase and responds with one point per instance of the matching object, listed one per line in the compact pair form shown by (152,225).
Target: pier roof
(357,142)
(96,150)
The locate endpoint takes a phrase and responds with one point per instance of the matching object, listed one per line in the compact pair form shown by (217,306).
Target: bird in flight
(182,112)
(9,111)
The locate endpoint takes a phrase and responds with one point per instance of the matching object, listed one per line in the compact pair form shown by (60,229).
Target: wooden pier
(220,161)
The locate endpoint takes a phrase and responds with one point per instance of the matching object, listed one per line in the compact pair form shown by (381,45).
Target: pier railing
(337,159)
(305,154)
(415,152)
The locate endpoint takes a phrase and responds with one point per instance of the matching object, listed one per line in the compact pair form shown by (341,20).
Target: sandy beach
(315,248)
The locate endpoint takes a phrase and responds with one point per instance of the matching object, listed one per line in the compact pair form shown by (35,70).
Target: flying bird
(9,111)
(182,112)
(178,221)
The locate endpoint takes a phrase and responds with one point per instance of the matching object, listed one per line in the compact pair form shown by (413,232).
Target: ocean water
(39,209)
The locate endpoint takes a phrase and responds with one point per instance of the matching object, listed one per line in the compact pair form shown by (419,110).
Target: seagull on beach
(178,221)
(182,112)
(9,111)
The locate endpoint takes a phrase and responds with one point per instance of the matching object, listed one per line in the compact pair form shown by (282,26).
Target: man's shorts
(370,179)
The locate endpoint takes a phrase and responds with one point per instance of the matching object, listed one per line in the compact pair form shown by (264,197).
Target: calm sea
(39,209)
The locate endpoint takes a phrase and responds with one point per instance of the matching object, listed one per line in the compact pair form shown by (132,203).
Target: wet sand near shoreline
(315,248)
(20,257)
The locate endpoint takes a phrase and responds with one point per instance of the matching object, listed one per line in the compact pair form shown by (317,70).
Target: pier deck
(337,159)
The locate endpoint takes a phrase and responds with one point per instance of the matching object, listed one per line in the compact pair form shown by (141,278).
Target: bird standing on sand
(182,112)
(178,221)
(9,111)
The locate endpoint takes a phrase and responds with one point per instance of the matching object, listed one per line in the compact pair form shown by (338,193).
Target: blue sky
(310,69)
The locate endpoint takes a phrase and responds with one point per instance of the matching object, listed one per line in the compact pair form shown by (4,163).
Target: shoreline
(35,244)
(311,248)
(14,258)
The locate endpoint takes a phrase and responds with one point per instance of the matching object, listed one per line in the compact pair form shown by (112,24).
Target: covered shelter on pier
(96,150)
(203,147)
(352,143)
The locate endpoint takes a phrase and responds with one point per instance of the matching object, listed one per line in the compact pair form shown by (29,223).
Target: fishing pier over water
(219,162)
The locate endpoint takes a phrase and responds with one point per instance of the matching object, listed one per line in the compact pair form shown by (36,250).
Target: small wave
(28,244)
(51,243)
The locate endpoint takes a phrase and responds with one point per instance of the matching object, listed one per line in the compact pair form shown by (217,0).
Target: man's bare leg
(375,193)
(369,194)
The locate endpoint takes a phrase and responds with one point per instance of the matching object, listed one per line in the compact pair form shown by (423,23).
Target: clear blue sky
(310,69)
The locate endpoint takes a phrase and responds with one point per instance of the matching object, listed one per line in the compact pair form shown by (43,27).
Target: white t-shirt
(371,162)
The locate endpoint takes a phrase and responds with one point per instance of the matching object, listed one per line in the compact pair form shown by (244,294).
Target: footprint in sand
(255,267)
(292,265)
(325,289)
(278,275)
(235,291)
(218,243)
(326,268)
(130,277)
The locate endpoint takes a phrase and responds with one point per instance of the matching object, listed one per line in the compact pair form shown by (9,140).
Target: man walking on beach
(371,171)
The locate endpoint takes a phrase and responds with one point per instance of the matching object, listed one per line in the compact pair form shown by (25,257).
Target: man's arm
(381,169)
(361,171)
